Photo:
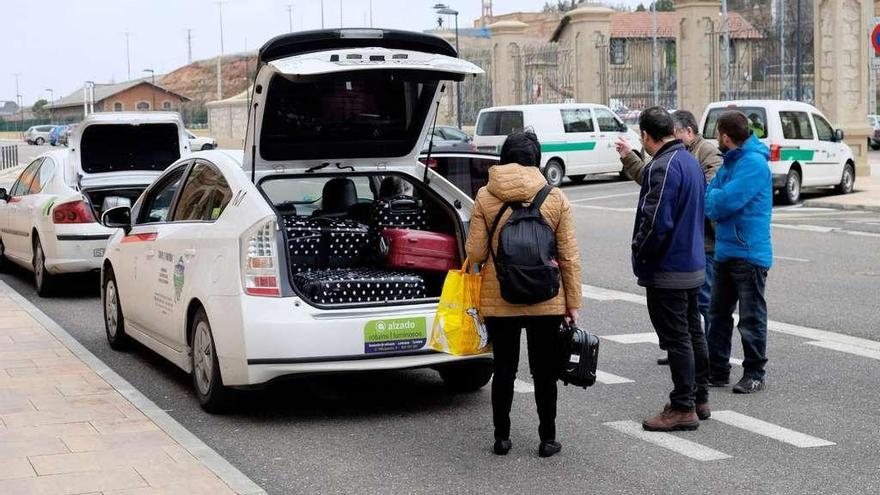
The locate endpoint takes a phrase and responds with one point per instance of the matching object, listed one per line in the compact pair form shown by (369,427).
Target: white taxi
(208,268)
(49,217)
(805,150)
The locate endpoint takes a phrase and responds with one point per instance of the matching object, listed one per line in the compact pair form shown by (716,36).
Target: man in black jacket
(669,260)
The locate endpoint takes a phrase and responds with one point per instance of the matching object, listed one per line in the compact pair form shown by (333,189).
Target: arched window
(118,107)
(143,106)
(166,105)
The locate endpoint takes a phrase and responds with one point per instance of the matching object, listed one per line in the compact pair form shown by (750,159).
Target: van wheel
(466,376)
(114,322)
(791,193)
(213,396)
(577,179)
(554,173)
(43,281)
(847,180)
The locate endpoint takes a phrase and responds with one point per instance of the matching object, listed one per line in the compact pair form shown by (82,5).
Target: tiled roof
(104,91)
(639,25)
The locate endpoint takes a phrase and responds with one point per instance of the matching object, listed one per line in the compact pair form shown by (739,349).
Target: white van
(576,138)
(805,150)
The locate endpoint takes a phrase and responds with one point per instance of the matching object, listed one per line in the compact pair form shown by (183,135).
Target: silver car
(38,134)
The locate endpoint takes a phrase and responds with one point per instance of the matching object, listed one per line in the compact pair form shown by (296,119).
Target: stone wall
(227,120)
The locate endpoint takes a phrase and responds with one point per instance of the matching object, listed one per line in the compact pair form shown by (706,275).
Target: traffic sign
(875,39)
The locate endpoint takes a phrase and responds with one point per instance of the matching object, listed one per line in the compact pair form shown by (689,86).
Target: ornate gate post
(696,78)
(842,62)
(507,37)
(590,29)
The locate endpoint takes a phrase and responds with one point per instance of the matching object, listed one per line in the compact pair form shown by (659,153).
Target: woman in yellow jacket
(518,180)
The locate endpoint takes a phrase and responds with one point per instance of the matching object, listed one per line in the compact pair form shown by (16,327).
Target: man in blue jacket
(669,260)
(740,201)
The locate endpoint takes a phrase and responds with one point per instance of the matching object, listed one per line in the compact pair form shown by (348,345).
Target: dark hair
(684,119)
(735,125)
(657,123)
(523,148)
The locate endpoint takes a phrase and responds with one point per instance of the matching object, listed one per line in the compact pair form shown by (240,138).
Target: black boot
(549,448)
(502,447)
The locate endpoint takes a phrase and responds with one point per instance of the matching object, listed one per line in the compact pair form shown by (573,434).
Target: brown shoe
(672,420)
(704,411)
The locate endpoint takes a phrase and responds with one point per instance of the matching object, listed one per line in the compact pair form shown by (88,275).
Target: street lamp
(51,102)
(444,9)
(153,89)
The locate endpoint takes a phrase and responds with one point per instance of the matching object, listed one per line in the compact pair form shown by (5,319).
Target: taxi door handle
(189,254)
(150,253)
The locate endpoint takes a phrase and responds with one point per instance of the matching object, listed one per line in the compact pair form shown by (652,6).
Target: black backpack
(525,263)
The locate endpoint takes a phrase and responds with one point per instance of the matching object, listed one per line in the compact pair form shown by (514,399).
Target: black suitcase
(315,243)
(579,353)
(401,212)
(359,285)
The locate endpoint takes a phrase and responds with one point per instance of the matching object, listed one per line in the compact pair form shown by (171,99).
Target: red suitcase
(419,250)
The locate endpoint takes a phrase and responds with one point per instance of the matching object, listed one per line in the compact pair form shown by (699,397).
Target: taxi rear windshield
(122,147)
(757,121)
(361,114)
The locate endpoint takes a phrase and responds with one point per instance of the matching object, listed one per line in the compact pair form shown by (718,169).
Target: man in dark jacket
(740,201)
(669,260)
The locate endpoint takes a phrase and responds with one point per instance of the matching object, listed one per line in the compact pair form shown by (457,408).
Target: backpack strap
(495,222)
(540,197)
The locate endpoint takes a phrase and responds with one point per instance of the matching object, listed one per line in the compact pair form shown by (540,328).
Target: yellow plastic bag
(458,328)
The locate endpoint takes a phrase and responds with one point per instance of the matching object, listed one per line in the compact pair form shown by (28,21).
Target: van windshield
(361,114)
(500,123)
(757,121)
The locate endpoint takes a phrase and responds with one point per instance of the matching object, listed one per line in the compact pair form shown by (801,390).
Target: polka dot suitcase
(359,285)
(315,243)
(405,212)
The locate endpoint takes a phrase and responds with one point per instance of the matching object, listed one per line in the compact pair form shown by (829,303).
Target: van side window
(501,123)
(577,120)
(607,122)
(796,125)
(823,129)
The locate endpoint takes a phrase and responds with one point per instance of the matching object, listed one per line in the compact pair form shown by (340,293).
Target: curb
(818,203)
(229,474)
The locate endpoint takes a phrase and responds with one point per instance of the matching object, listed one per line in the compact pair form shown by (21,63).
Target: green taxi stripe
(794,154)
(48,207)
(582,146)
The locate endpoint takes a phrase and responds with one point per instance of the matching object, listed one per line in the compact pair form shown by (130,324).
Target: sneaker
(703,411)
(672,420)
(719,381)
(664,361)
(748,386)
(549,448)
(502,447)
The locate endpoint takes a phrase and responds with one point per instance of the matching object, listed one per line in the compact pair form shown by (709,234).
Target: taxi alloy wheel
(42,279)
(213,396)
(114,322)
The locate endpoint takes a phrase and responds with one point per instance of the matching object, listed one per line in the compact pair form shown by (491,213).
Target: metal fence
(543,73)
(8,157)
(627,64)
(476,91)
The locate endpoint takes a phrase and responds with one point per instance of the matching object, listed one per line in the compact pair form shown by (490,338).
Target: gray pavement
(403,432)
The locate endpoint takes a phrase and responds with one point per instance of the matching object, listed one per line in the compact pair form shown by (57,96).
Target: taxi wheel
(114,322)
(213,396)
(43,281)
(467,376)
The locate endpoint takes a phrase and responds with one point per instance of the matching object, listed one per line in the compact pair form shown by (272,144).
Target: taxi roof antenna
(431,139)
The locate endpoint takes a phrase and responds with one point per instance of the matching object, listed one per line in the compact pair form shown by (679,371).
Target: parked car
(38,134)
(64,138)
(805,150)
(874,138)
(448,139)
(55,134)
(49,218)
(576,138)
(200,143)
(244,267)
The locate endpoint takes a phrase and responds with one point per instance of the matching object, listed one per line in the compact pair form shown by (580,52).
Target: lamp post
(51,102)
(444,9)
(153,89)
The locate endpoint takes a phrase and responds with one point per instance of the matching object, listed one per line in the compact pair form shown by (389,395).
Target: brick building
(136,95)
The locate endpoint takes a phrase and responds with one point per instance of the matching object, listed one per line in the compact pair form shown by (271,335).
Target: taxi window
(204,196)
(757,121)
(304,194)
(41,180)
(157,205)
(796,125)
(25,180)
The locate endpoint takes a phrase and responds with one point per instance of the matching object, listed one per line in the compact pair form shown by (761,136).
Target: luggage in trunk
(405,212)
(315,243)
(359,285)
(419,250)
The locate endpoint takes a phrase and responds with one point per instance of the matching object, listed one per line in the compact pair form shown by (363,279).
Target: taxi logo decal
(179,278)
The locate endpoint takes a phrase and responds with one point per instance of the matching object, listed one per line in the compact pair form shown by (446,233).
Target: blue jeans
(737,281)
(706,291)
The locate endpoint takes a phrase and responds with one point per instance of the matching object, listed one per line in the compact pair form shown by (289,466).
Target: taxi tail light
(775,153)
(73,212)
(260,261)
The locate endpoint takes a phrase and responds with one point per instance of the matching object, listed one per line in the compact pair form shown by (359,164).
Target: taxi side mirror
(117,218)
(3,194)
(838,135)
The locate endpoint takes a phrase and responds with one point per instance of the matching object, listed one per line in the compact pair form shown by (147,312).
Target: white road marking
(632,338)
(604,208)
(824,230)
(788,258)
(848,348)
(609,379)
(769,430)
(668,441)
(632,193)
(523,387)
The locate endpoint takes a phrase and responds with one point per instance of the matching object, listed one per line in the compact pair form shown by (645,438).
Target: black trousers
(541,334)
(675,315)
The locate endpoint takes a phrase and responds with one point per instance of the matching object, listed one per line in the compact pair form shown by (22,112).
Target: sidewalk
(64,429)
(865,197)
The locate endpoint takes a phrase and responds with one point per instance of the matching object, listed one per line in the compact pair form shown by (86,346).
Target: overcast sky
(59,44)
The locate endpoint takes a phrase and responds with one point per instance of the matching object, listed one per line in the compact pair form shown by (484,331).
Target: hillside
(198,80)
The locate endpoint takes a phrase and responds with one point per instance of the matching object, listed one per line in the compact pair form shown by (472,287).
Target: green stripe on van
(792,154)
(582,146)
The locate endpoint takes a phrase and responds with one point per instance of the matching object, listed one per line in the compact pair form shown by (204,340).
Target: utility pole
(340,13)
(220,57)
(371,13)
(290,17)
(127,54)
(798,76)
(322,14)
(725,48)
(19,102)
(654,55)
(51,102)
(782,48)
(189,46)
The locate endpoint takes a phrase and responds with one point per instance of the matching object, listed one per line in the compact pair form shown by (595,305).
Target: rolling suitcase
(315,243)
(419,250)
(359,285)
(579,351)
(405,212)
